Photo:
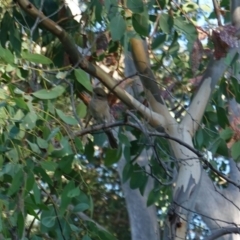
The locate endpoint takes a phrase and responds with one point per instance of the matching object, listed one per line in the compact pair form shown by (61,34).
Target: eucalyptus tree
(174,100)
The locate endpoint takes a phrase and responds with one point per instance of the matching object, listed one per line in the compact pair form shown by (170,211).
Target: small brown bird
(99,109)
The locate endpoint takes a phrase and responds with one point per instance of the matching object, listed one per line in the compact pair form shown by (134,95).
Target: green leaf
(98,6)
(199,137)
(15,39)
(65,200)
(91,205)
(100,139)
(127,171)
(1,223)
(83,198)
(235,150)
(43,175)
(53,133)
(10,68)
(112,156)
(190,6)
(49,165)
(65,163)
(166,23)
(34,237)
(21,103)
(214,163)
(136,6)
(49,94)
(67,119)
(136,148)
(127,153)
(140,23)
(42,143)
(36,58)
(112,11)
(230,60)
(117,27)
(16,183)
(48,221)
(162,3)
(159,41)
(89,150)
(235,65)
(86,237)
(74,192)
(226,134)
(188,29)
(20,224)
(6,55)
(81,110)
(65,149)
(222,117)
(34,147)
(5,26)
(29,121)
(10,169)
(83,79)
(31,206)
(48,218)
(213,148)
(13,132)
(143,182)
(236,89)
(222,148)
(36,193)
(81,207)
(78,144)
(123,139)
(105,235)
(13,155)
(137,179)
(75,228)
(174,47)
(30,181)
(153,197)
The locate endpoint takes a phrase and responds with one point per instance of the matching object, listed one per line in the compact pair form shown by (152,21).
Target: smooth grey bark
(143,219)
(219,208)
(222,204)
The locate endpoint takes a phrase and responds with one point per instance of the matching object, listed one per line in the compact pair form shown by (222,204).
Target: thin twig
(217,12)
(121,123)
(164,135)
(55,210)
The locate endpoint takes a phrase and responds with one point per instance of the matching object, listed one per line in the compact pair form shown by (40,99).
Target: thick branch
(142,64)
(213,73)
